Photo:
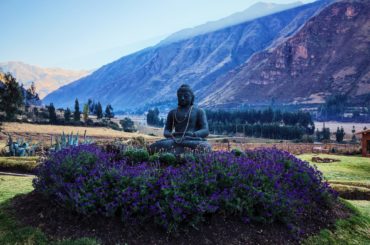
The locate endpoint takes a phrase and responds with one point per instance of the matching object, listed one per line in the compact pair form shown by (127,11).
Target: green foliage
(71,140)
(137,155)
(20,147)
(334,107)
(109,112)
(67,115)
(77,113)
(237,152)
(111,124)
(86,112)
(323,135)
(267,123)
(128,125)
(19,164)
(152,118)
(154,158)
(99,111)
(339,135)
(52,114)
(167,158)
(11,96)
(354,139)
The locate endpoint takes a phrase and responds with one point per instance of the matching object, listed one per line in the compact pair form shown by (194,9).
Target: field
(348,170)
(43,133)
(350,176)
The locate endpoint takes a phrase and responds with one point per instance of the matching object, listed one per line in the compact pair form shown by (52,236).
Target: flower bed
(265,185)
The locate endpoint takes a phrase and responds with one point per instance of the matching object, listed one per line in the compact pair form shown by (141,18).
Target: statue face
(184,98)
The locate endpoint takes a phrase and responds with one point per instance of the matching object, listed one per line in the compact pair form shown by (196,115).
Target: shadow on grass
(354,230)
(12,232)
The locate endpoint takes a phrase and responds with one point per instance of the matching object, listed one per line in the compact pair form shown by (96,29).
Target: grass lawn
(12,233)
(350,170)
(354,230)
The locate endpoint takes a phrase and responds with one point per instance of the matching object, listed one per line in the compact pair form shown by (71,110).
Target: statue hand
(190,134)
(176,134)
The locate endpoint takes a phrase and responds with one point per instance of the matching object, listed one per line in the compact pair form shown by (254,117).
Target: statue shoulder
(172,111)
(199,111)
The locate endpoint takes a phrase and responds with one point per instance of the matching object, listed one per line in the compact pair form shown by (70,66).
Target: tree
(152,118)
(127,125)
(77,113)
(354,139)
(67,115)
(52,114)
(326,133)
(86,112)
(109,112)
(11,96)
(339,135)
(99,111)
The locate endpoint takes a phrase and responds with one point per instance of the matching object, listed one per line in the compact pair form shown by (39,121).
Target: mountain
(46,79)
(256,10)
(152,76)
(329,55)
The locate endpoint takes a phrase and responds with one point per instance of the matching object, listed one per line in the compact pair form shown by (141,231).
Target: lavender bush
(265,185)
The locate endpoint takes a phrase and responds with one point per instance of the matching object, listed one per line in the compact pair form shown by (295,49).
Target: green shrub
(137,155)
(167,158)
(237,152)
(18,164)
(154,157)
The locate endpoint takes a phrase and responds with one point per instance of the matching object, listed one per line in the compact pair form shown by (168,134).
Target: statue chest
(183,120)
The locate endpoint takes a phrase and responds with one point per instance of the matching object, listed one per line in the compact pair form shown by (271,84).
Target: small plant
(137,155)
(20,148)
(167,158)
(237,152)
(70,140)
(154,157)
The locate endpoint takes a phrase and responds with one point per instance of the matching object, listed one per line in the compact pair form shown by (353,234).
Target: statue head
(185,95)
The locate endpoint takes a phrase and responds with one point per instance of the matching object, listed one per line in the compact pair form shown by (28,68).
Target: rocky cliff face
(154,74)
(329,55)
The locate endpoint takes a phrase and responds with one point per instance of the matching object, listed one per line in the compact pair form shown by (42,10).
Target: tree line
(90,108)
(267,123)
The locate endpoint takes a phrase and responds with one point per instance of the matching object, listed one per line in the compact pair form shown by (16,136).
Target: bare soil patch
(34,210)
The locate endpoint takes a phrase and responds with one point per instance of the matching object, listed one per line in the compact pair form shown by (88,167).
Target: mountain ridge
(158,71)
(255,11)
(329,55)
(46,79)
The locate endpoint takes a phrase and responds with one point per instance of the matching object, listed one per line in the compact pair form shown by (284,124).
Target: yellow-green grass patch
(19,164)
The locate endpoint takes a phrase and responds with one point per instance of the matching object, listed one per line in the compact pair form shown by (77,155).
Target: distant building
(365,142)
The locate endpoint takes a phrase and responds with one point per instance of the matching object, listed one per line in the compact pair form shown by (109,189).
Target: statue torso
(179,121)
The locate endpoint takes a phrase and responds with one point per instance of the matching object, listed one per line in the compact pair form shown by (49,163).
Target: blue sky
(86,34)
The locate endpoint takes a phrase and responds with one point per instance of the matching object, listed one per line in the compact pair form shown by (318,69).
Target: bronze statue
(186,127)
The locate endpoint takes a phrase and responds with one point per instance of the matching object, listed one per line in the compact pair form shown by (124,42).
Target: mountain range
(152,76)
(330,54)
(46,79)
(256,10)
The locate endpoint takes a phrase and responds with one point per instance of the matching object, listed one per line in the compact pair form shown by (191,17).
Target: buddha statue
(186,127)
